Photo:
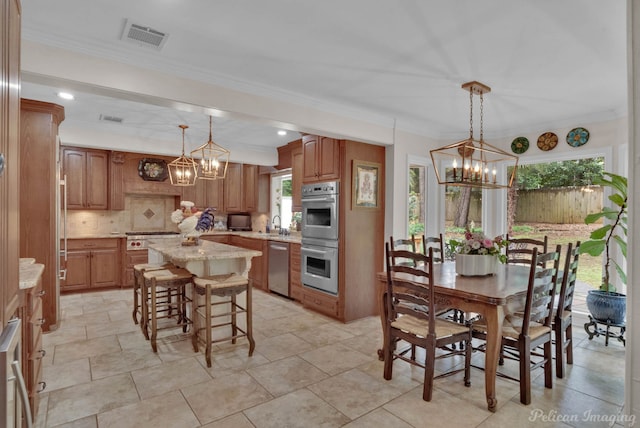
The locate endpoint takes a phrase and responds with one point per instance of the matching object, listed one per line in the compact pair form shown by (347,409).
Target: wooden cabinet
(39,193)
(33,351)
(10,152)
(295,281)
(92,263)
(320,302)
(132,258)
(221,239)
(250,187)
(241,188)
(259,273)
(87,178)
(214,195)
(297,164)
(321,158)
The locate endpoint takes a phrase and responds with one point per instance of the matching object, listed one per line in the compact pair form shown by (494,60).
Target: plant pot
(476,265)
(607,306)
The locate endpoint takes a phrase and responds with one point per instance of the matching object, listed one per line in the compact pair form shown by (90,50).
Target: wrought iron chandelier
(214,159)
(471,162)
(183,171)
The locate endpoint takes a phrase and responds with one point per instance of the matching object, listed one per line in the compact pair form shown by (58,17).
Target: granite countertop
(30,273)
(206,250)
(295,237)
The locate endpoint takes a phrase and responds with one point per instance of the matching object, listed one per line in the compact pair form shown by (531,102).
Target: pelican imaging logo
(553,416)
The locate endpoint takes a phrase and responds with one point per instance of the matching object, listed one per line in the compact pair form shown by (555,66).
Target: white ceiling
(550,63)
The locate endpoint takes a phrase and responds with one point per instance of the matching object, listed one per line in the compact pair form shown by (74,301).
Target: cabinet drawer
(35,323)
(320,302)
(35,365)
(82,244)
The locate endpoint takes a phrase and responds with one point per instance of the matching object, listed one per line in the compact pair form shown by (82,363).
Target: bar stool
(140,298)
(173,282)
(226,286)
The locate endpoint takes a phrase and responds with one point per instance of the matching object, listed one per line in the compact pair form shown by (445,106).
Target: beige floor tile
(106,365)
(285,345)
(85,348)
(300,408)
(87,399)
(355,393)
(111,328)
(62,375)
(239,420)
(379,418)
(170,376)
(88,422)
(323,335)
(168,410)
(224,396)
(286,375)
(64,334)
(336,358)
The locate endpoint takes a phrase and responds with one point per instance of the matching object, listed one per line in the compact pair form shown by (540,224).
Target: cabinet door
(328,159)
(309,164)
(78,271)
(233,188)
(215,195)
(105,268)
(250,187)
(296,179)
(97,180)
(196,194)
(74,162)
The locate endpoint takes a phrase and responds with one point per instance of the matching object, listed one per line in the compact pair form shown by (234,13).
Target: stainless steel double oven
(319,249)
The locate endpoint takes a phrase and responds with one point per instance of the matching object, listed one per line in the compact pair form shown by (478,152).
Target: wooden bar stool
(173,282)
(227,286)
(140,297)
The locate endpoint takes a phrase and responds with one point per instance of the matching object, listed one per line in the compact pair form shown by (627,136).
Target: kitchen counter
(295,238)
(29,274)
(207,258)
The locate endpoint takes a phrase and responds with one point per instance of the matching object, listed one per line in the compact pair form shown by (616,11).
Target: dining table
(492,296)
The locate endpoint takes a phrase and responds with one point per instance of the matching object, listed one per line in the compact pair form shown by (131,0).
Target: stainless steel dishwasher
(279,267)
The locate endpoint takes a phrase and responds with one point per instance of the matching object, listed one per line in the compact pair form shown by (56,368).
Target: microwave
(239,221)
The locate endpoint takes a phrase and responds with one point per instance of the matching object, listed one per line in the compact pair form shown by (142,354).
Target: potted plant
(605,304)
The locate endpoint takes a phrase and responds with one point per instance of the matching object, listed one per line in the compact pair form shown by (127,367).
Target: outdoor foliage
(580,172)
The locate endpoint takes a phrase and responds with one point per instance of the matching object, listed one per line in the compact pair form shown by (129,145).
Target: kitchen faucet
(273,221)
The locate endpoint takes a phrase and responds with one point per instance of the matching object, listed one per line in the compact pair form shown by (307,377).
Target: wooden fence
(563,205)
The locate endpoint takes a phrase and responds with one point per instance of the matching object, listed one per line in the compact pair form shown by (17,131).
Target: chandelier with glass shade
(214,159)
(183,171)
(471,162)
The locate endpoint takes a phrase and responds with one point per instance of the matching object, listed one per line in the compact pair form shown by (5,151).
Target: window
(281,201)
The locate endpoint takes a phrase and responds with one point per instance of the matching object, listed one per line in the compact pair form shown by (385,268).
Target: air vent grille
(144,36)
(113,119)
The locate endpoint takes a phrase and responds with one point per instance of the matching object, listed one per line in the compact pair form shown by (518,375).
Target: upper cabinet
(241,188)
(87,178)
(206,194)
(297,163)
(321,158)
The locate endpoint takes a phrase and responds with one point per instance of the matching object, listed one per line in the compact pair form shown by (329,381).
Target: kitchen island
(206,258)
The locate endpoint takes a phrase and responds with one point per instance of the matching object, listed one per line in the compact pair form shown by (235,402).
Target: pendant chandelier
(471,162)
(213,159)
(183,171)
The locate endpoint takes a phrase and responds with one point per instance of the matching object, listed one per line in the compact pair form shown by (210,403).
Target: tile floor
(307,371)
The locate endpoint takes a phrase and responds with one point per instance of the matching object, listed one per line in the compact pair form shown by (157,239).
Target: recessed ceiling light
(66,95)
(282,132)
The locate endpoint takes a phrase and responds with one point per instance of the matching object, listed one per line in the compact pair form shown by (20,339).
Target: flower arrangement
(476,243)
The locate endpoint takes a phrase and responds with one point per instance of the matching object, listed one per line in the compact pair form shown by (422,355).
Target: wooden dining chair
(520,250)
(526,330)
(437,243)
(562,321)
(408,322)
(408,244)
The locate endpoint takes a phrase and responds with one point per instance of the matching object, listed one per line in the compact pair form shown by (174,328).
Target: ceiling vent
(144,36)
(112,119)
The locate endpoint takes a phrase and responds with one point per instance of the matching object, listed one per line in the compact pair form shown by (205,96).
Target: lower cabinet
(92,263)
(32,351)
(320,302)
(259,273)
(295,280)
(222,239)
(133,258)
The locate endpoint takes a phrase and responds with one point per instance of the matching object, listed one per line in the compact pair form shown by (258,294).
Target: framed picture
(366,186)
(153,169)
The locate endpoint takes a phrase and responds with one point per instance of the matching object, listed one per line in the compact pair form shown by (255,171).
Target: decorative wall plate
(520,145)
(153,169)
(577,137)
(547,141)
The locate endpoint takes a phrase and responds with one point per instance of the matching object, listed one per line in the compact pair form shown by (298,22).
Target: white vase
(474,264)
